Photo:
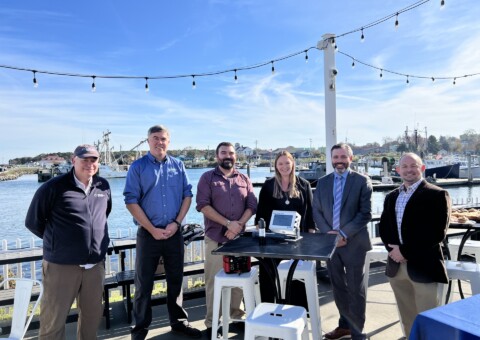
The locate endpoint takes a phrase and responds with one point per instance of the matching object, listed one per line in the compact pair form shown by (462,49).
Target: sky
(262,109)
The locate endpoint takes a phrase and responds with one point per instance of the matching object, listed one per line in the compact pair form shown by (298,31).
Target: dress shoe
(209,332)
(338,333)
(186,329)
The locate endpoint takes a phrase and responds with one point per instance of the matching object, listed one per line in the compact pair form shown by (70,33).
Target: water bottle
(261,232)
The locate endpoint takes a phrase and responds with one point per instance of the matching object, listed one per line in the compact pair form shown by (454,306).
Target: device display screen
(282,220)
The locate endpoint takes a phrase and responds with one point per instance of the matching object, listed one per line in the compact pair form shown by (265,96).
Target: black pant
(148,253)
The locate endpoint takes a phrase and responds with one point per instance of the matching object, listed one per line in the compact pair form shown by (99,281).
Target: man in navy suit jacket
(345,268)
(413,225)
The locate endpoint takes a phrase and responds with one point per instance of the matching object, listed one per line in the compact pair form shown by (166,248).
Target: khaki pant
(213,263)
(412,297)
(62,284)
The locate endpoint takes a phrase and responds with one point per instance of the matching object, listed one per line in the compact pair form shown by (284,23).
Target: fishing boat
(438,168)
(109,166)
(314,171)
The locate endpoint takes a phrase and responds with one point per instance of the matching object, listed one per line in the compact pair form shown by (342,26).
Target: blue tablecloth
(457,320)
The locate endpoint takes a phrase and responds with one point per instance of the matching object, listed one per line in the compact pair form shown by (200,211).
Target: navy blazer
(424,227)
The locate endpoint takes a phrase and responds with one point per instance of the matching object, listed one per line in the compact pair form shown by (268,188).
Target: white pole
(330,74)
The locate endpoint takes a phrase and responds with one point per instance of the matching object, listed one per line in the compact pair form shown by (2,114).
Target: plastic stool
(378,253)
(222,292)
(277,321)
(305,271)
(459,270)
(471,248)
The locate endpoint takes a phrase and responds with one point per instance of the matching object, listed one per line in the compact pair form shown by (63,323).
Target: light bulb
(194,85)
(35,82)
(454,81)
(94,88)
(235,78)
(306,57)
(147,89)
(273,68)
(442,4)
(408,81)
(353,63)
(381,73)
(362,38)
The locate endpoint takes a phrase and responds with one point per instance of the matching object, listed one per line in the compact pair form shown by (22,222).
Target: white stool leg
(313,305)
(226,298)
(217,293)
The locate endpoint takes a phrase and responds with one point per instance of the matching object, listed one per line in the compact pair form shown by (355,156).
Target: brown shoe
(338,333)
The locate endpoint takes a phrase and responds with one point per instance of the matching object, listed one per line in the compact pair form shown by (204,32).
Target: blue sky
(153,38)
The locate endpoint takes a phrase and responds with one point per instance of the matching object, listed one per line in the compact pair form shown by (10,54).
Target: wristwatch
(228,223)
(177,223)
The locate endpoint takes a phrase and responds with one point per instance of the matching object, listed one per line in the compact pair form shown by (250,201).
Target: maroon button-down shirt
(230,197)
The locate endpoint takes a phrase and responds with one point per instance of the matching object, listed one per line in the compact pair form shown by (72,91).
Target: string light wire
(254,66)
(408,76)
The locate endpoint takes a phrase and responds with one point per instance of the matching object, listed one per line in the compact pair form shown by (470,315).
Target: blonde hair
(292,187)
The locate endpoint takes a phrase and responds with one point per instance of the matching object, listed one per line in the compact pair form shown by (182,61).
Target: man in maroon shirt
(226,199)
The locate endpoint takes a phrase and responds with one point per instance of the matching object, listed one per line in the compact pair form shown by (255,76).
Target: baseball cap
(84,151)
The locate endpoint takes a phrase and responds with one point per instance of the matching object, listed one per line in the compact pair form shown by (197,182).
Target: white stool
(277,321)
(459,270)
(378,253)
(471,247)
(305,271)
(222,291)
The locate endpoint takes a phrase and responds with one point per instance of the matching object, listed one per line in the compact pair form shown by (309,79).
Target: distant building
(51,160)
(243,151)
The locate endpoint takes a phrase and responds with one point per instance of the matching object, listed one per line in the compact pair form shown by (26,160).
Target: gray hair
(158,128)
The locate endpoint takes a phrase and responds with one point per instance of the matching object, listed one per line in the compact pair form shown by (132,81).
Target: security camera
(333,72)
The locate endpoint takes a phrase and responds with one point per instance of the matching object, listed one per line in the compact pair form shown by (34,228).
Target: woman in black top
(285,191)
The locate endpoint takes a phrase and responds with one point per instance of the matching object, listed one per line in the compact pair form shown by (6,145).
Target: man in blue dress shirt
(158,195)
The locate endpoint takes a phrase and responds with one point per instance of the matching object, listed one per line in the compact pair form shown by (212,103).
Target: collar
(344,175)
(154,160)
(81,185)
(220,173)
(412,187)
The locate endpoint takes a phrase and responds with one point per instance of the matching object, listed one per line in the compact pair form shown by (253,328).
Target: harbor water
(15,197)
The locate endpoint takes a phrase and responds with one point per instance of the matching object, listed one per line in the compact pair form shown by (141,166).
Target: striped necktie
(337,203)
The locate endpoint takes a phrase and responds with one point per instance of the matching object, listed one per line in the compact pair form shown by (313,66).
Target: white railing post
(33,267)
(5,267)
(19,265)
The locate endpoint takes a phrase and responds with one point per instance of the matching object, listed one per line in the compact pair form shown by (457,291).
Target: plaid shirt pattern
(401,203)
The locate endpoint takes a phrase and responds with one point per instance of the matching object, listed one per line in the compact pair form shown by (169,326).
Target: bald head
(410,168)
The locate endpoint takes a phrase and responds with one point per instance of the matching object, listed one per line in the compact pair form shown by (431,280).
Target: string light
(94,88)
(194,85)
(396,22)
(35,82)
(442,4)
(255,66)
(236,78)
(147,89)
(408,76)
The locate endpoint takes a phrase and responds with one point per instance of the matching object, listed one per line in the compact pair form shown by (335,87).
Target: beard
(342,169)
(226,163)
